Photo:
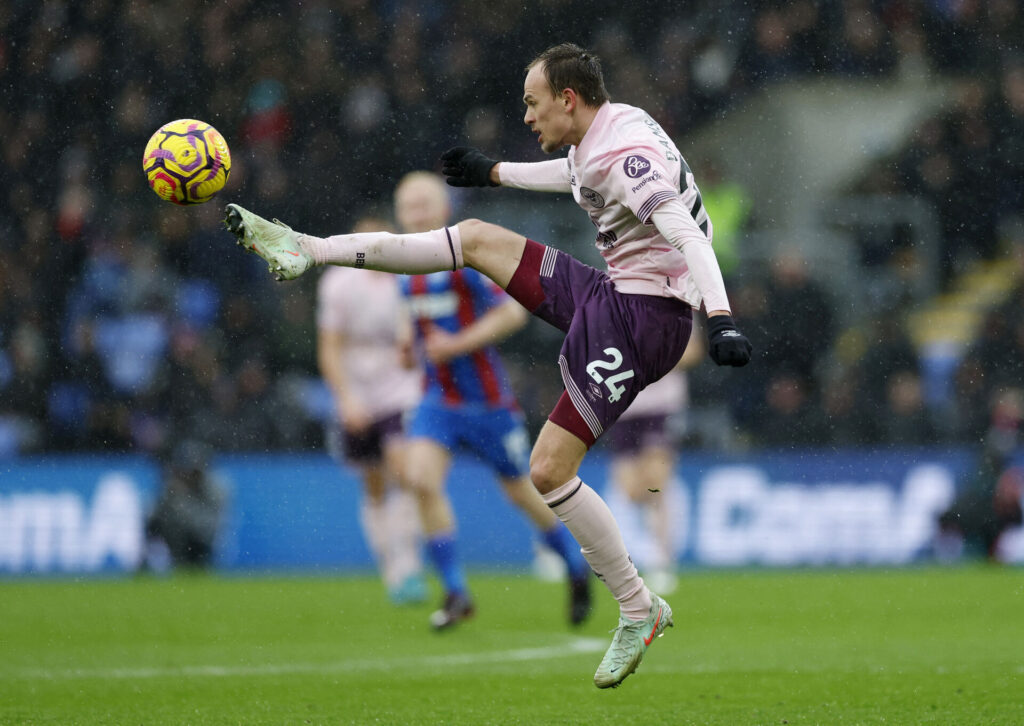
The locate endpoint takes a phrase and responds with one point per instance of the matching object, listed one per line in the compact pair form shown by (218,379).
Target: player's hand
(464,166)
(407,355)
(727,345)
(440,346)
(355,418)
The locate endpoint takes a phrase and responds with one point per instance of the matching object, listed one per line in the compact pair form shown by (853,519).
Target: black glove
(729,347)
(467,167)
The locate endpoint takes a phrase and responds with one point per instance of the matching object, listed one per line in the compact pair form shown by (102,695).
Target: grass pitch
(808,647)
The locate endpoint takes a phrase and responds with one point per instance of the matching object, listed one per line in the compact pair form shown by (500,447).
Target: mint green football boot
(274,241)
(631,641)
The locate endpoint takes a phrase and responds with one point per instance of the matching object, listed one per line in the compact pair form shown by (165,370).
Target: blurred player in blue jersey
(459,316)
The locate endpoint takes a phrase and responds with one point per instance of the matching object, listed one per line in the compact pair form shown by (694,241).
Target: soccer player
(625,328)
(459,316)
(364,350)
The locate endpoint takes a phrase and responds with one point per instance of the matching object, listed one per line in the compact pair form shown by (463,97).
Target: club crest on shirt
(635,166)
(595,199)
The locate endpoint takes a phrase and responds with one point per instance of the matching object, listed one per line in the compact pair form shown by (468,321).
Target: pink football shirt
(622,170)
(366,307)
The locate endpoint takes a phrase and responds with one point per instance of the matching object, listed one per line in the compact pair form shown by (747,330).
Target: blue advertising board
(74,514)
(290,512)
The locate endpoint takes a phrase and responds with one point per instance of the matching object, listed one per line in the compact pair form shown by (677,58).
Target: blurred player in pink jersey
(364,349)
(625,328)
(646,496)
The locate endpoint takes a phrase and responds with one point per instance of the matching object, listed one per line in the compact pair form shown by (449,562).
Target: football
(186,162)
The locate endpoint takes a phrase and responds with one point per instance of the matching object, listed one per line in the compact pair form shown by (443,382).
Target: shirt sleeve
(643,181)
(677,225)
(541,176)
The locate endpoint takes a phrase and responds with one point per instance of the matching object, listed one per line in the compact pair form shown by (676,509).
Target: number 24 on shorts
(595,366)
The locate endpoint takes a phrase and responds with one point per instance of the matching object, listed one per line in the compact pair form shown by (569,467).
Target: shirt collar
(597,127)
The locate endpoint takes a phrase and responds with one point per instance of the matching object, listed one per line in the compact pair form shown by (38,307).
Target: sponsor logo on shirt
(635,166)
(653,177)
(595,199)
(434,305)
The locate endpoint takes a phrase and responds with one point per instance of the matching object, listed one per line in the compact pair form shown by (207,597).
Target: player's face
(546,115)
(421,206)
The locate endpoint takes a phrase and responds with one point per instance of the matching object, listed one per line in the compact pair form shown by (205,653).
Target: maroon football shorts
(615,344)
(367,447)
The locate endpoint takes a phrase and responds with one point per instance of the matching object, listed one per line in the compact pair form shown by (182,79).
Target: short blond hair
(428,177)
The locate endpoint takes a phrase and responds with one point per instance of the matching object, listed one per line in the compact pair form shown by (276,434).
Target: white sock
(661,550)
(413,254)
(404,526)
(374,520)
(591,522)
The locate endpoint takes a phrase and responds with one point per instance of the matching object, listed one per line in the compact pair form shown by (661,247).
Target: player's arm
(492,327)
(551,175)
(330,359)
(675,223)
(405,338)
(467,167)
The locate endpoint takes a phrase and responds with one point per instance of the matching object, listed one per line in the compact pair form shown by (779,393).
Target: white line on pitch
(575,646)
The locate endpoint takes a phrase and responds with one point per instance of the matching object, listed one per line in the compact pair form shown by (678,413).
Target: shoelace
(620,654)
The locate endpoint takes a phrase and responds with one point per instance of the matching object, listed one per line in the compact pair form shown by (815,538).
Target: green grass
(808,647)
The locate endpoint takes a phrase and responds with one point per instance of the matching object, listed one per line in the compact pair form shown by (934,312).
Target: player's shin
(373,519)
(591,522)
(419,253)
(404,527)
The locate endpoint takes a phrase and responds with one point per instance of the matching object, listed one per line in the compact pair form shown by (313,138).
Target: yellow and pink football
(187,162)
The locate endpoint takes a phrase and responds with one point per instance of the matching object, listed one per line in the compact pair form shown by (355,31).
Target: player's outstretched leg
(274,241)
(290,253)
(632,638)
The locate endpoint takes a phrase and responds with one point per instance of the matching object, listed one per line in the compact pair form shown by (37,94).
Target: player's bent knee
(547,473)
(476,234)
(471,232)
(421,486)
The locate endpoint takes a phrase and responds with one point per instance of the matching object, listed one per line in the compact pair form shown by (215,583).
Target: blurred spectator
(864,48)
(120,327)
(788,419)
(990,503)
(770,52)
(906,421)
(729,207)
(889,352)
(848,418)
(181,531)
(800,324)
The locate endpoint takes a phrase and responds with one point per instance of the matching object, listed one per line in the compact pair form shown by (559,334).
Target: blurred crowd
(126,322)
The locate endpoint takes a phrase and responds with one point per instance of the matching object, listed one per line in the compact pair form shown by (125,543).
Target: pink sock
(413,254)
(591,522)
